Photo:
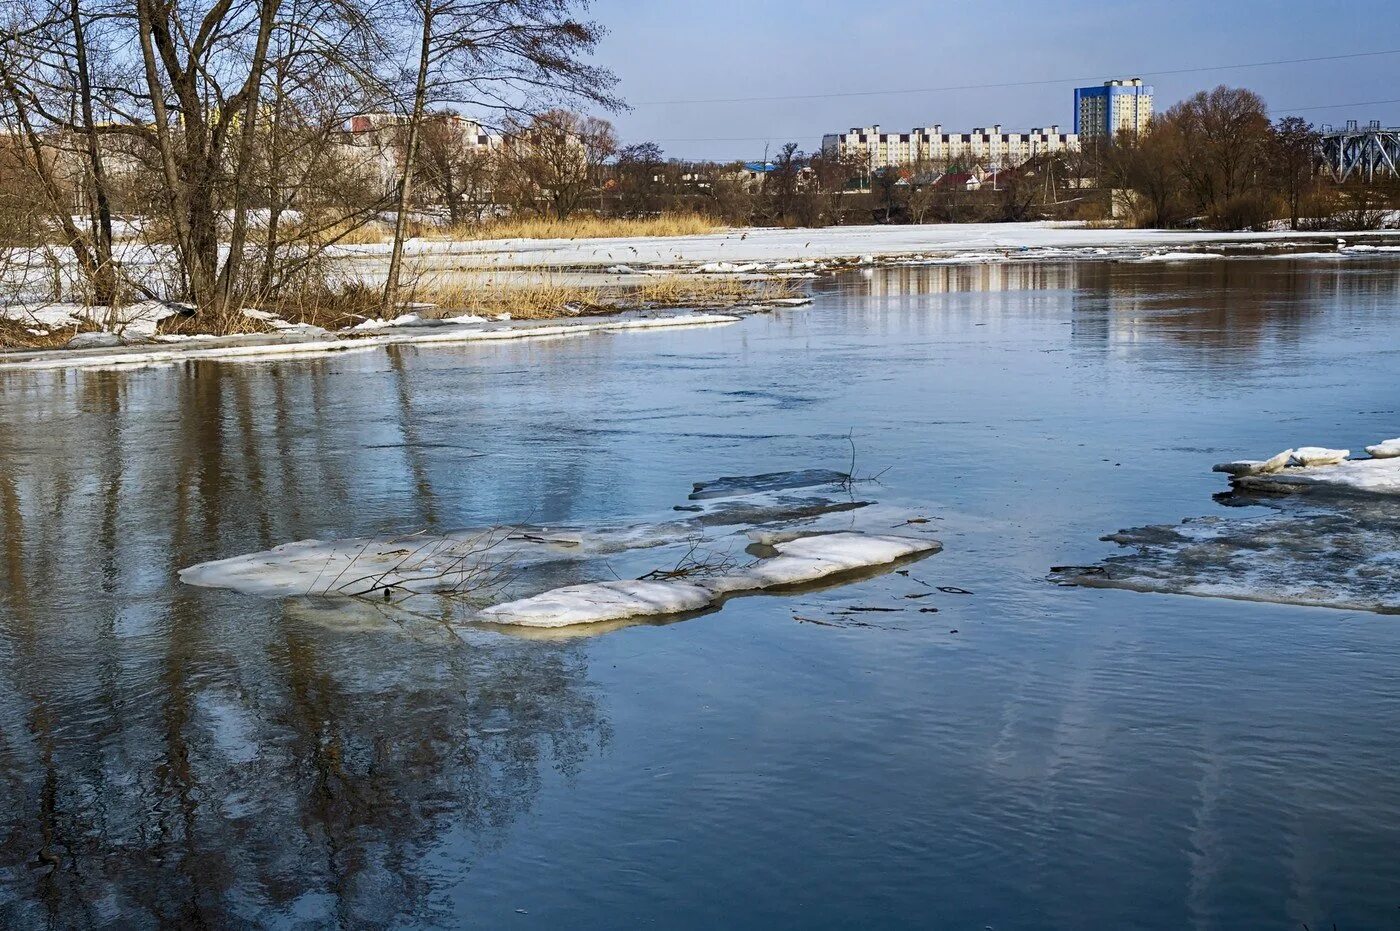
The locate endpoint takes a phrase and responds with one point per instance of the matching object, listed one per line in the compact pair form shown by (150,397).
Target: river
(1028,756)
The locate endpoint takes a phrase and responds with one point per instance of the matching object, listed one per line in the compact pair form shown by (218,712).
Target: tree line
(221,122)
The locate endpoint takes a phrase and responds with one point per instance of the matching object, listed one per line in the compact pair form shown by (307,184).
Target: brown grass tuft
(581,227)
(15,334)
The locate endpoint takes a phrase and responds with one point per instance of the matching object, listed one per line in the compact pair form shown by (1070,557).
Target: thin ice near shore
(294,345)
(1337,546)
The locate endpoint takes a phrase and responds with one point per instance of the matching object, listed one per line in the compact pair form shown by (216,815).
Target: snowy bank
(750,251)
(296,342)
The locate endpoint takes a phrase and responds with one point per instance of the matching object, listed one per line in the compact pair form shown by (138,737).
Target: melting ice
(1331,538)
(742,535)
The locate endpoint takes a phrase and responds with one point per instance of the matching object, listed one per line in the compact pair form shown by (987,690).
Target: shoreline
(274,347)
(835,244)
(761,254)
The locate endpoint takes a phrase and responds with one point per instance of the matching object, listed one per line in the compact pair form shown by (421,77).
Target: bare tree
(1222,145)
(456,166)
(555,160)
(502,55)
(640,179)
(781,181)
(1293,161)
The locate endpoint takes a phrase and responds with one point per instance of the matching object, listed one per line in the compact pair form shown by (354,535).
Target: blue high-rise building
(1104,112)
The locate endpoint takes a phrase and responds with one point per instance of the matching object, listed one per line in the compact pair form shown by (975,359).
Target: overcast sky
(663,50)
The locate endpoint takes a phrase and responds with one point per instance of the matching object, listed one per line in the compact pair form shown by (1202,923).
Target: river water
(1030,756)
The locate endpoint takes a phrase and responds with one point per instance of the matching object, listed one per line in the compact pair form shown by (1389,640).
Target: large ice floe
(1329,536)
(739,535)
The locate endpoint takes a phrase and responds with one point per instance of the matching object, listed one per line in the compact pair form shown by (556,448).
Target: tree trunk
(415,122)
(105,279)
(229,276)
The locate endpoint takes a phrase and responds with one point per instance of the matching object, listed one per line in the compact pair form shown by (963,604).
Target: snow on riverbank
(753,250)
(295,343)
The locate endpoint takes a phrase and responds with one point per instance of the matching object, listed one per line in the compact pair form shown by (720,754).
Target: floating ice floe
(755,533)
(1356,476)
(800,561)
(1307,456)
(771,481)
(1243,467)
(1340,557)
(1385,449)
(1338,547)
(1179,256)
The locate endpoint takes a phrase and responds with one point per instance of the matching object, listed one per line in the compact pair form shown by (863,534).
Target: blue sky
(666,50)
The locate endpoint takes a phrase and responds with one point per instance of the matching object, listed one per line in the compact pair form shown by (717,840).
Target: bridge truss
(1361,152)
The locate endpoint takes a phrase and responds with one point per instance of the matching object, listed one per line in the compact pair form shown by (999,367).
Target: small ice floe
(598,602)
(1339,557)
(1377,476)
(621,270)
(1178,256)
(730,486)
(801,561)
(1308,456)
(1252,467)
(1385,449)
(728,268)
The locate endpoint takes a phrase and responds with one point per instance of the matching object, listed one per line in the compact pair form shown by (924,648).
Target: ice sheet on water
(534,564)
(804,560)
(771,481)
(1380,476)
(1346,555)
(1336,547)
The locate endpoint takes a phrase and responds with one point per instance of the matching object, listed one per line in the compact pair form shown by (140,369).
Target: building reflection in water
(1202,305)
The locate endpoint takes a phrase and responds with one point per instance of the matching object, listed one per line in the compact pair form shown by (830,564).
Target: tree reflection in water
(185,758)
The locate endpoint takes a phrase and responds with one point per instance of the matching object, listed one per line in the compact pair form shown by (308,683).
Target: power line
(795,136)
(1336,106)
(966,87)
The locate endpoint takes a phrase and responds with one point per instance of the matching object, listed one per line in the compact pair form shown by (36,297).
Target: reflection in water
(1204,305)
(179,756)
(173,758)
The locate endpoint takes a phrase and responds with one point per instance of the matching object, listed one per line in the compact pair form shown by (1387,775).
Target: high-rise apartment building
(1104,112)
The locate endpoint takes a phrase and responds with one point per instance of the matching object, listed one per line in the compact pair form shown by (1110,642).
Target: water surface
(1067,758)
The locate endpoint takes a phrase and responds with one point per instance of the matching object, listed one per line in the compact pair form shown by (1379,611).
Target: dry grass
(531,300)
(16,334)
(581,227)
(547,299)
(339,308)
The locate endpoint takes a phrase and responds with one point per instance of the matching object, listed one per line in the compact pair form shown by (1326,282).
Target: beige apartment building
(930,144)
